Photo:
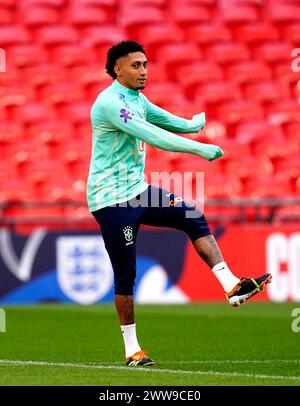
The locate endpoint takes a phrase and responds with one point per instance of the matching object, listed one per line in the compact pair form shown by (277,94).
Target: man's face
(131,70)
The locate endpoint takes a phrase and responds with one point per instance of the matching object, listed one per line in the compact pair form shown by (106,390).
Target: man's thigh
(168,210)
(119,227)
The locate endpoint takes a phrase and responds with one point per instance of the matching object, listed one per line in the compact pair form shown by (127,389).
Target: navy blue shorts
(120,224)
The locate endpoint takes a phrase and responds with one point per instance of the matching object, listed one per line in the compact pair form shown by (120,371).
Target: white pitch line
(147,370)
(236,361)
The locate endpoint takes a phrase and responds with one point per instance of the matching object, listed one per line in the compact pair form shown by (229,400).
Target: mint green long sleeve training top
(123,120)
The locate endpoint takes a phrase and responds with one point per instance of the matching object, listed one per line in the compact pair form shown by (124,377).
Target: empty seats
(257,32)
(57,34)
(198,73)
(207,33)
(273,52)
(163,93)
(87,15)
(34,15)
(248,71)
(227,52)
(284,13)
(238,111)
(231,59)
(187,13)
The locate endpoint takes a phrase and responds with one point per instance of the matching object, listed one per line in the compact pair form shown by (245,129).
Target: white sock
(225,276)
(130,340)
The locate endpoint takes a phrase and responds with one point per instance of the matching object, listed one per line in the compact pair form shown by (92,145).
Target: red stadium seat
(178,53)
(273,52)
(15,95)
(48,3)
(258,3)
(10,77)
(287,214)
(45,74)
(164,93)
(42,173)
(82,15)
(27,55)
(216,92)
(232,149)
(103,35)
(140,16)
(221,186)
(72,54)
(198,73)
(34,16)
(208,33)
(292,33)
(235,3)
(249,133)
(15,190)
(90,74)
(292,130)
(245,166)
(33,112)
(289,168)
(156,73)
(284,13)
(186,110)
(239,111)
(57,34)
(234,14)
(188,13)
(257,32)
(144,3)
(192,163)
(284,112)
(268,187)
(101,3)
(62,93)
(277,149)
(7,3)
(208,3)
(9,133)
(267,91)
(93,89)
(6,15)
(284,74)
(249,71)
(23,153)
(50,133)
(158,34)
(78,112)
(3,114)
(13,34)
(156,164)
(227,52)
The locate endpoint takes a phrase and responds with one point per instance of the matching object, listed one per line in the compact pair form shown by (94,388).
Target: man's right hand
(214,152)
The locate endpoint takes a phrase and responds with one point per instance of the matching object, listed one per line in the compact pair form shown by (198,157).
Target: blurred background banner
(75,268)
(237,60)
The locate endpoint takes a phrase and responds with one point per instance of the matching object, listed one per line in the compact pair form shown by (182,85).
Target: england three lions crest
(84,270)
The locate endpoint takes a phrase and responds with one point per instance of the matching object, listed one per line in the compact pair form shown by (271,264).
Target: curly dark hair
(117,51)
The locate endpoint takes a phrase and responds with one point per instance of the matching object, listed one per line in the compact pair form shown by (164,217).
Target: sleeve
(123,119)
(162,118)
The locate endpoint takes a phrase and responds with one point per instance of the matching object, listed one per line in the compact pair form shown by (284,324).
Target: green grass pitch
(194,344)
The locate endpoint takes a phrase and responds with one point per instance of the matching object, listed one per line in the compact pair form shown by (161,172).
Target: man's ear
(117,70)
